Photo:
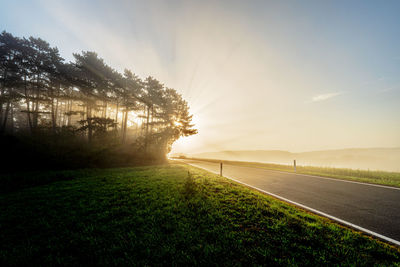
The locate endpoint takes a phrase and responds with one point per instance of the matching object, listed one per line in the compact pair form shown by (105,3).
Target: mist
(386,159)
(267,76)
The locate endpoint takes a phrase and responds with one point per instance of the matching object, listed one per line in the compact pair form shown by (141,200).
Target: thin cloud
(389,89)
(323,97)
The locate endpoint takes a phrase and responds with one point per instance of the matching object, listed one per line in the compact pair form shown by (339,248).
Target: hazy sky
(290,75)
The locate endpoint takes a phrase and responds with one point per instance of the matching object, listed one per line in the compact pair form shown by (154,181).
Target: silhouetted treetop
(41,93)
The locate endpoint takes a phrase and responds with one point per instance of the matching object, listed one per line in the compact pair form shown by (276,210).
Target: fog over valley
(387,159)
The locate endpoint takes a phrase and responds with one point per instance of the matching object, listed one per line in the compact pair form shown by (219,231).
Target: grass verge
(365,176)
(170,215)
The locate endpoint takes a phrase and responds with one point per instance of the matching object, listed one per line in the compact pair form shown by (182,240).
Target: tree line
(41,94)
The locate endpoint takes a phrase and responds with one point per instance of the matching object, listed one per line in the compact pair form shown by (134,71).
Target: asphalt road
(375,208)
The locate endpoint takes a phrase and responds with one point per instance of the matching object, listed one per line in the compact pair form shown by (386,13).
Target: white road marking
(388,239)
(334,179)
(314,176)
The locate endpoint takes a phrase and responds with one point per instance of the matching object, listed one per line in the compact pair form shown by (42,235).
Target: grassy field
(168,215)
(374,177)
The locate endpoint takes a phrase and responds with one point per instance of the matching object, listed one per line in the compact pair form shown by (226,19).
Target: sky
(258,75)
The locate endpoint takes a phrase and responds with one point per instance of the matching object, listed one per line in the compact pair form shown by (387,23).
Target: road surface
(372,207)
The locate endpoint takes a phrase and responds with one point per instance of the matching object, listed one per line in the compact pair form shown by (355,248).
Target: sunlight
(189,142)
(200,132)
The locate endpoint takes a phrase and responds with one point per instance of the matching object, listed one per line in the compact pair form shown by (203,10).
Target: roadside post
(220,169)
(294,164)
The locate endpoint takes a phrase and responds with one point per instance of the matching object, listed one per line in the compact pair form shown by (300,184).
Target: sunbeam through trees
(84,106)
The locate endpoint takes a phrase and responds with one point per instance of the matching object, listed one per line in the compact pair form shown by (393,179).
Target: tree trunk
(89,122)
(28,105)
(12,119)
(152,119)
(105,104)
(69,112)
(36,104)
(122,123)
(3,88)
(4,122)
(147,129)
(60,114)
(116,116)
(53,115)
(125,126)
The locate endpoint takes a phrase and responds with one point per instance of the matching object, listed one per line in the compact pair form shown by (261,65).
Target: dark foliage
(84,113)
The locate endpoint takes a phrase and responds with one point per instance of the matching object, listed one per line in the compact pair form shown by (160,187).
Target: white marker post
(220,169)
(294,164)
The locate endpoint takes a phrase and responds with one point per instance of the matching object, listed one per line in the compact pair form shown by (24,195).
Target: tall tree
(10,74)
(151,97)
(131,90)
(40,92)
(90,80)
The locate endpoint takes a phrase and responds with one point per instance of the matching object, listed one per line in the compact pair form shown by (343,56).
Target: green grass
(366,176)
(170,215)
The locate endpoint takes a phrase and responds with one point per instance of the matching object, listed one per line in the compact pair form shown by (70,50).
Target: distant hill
(387,159)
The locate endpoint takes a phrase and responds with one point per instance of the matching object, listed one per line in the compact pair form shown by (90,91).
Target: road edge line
(349,224)
(314,176)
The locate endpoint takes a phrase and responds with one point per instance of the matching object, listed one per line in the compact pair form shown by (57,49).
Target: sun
(187,144)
